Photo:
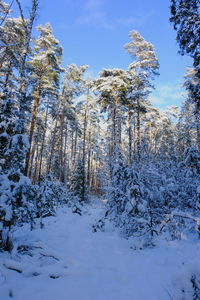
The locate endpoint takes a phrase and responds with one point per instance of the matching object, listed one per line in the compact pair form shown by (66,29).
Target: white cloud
(96,18)
(127,21)
(139,19)
(94,13)
(93,5)
(168,94)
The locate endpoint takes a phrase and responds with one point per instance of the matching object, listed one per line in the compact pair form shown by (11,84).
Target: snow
(198,190)
(67,260)
(8,215)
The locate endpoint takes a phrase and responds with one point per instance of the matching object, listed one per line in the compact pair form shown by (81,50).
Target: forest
(73,143)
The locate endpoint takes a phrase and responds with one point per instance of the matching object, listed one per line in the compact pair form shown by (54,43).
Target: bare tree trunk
(92,175)
(150,137)
(52,148)
(43,141)
(34,178)
(130,134)
(134,136)
(138,130)
(75,146)
(84,146)
(116,127)
(61,146)
(114,130)
(197,115)
(72,146)
(33,122)
(89,159)
(63,179)
(31,162)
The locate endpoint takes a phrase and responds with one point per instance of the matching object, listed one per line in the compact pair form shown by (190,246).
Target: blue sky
(93,32)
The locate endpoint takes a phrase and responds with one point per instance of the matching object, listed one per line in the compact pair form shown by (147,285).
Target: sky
(93,32)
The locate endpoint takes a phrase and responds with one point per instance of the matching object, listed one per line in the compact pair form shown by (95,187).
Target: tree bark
(33,122)
(43,141)
(197,115)
(89,159)
(52,148)
(130,134)
(84,146)
(138,130)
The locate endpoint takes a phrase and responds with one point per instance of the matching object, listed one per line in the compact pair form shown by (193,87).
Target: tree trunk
(43,141)
(197,115)
(89,159)
(150,138)
(52,148)
(33,122)
(61,147)
(75,145)
(63,179)
(34,178)
(138,130)
(8,73)
(22,69)
(31,162)
(84,146)
(72,147)
(116,128)
(130,134)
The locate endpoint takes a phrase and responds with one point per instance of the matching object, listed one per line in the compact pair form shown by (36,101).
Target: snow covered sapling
(76,184)
(127,207)
(192,159)
(46,200)
(117,187)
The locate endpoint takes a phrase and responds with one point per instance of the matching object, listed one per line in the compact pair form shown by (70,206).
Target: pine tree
(46,69)
(185,15)
(112,86)
(46,200)
(66,122)
(77,184)
(186,133)
(12,35)
(192,84)
(16,193)
(141,72)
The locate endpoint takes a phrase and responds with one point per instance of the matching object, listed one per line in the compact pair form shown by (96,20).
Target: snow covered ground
(68,261)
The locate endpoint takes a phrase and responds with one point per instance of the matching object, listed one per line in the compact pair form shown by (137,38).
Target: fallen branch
(26,270)
(49,255)
(181,215)
(13,265)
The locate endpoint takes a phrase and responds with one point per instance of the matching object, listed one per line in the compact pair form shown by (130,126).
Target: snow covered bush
(51,194)
(77,185)
(17,205)
(46,200)
(195,280)
(143,196)
(17,194)
(127,206)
